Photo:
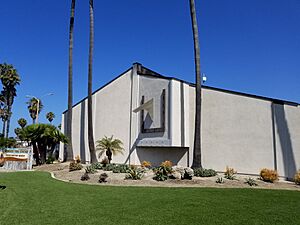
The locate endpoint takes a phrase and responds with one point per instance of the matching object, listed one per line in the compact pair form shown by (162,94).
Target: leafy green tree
(90,80)
(110,146)
(197,134)
(10,79)
(69,150)
(50,116)
(44,138)
(22,122)
(34,107)
(7,142)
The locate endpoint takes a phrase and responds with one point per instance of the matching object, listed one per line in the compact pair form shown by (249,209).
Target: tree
(44,138)
(197,134)
(10,79)
(90,80)
(3,112)
(50,116)
(22,122)
(69,155)
(110,146)
(34,107)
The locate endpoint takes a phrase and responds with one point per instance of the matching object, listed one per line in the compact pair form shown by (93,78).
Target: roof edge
(144,71)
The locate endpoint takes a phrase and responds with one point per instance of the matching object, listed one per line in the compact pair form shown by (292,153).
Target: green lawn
(36,198)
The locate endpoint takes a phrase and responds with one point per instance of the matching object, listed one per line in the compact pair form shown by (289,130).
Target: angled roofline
(103,86)
(147,72)
(144,71)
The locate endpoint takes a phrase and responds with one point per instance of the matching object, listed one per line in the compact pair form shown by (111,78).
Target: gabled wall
(111,116)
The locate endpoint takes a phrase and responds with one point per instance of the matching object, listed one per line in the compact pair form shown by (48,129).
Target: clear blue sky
(251,46)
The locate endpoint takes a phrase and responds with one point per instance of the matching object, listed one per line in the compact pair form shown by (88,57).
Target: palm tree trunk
(8,121)
(69,155)
(3,128)
(197,134)
(90,79)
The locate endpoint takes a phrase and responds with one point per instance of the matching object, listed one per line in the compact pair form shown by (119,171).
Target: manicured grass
(36,198)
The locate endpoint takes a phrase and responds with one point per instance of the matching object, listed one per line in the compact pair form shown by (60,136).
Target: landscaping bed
(61,172)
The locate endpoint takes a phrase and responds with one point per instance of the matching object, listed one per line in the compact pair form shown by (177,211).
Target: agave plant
(110,146)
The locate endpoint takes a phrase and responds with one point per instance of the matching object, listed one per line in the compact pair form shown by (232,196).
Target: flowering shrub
(268,175)
(75,166)
(166,163)
(229,173)
(146,164)
(77,159)
(297,178)
(163,171)
(135,173)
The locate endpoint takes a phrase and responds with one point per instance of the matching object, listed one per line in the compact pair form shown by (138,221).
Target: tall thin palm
(197,135)
(34,107)
(90,80)
(10,79)
(110,146)
(69,152)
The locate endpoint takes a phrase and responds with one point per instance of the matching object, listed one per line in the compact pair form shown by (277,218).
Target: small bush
(120,168)
(250,181)
(268,175)
(104,161)
(167,164)
(201,172)
(75,166)
(135,173)
(90,169)
(230,173)
(77,159)
(297,177)
(146,164)
(219,180)
(85,177)
(162,172)
(50,160)
(109,167)
(97,166)
(103,177)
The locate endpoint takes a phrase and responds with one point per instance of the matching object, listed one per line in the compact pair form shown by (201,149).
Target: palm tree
(69,155)
(10,79)
(3,112)
(34,107)
(50,116)
(43,137)
(197,134)
(90,79)
(110,146)
(22,122)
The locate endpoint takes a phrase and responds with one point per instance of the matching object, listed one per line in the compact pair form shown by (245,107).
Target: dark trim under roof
(144,71)
(147,72)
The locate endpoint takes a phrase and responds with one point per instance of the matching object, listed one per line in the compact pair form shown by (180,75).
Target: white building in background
(154,117)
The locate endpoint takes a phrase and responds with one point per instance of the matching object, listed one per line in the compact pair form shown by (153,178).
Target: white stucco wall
(240,131)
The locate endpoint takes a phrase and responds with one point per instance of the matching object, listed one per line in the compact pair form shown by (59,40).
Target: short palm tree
(50,116)
(110,146)
(34,108)
(22,122)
